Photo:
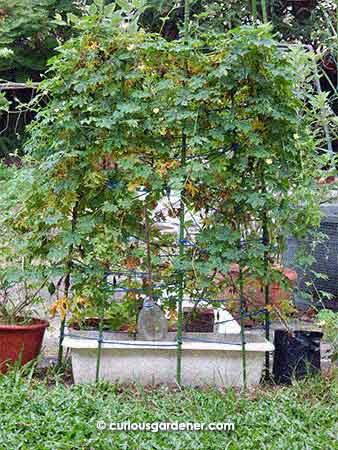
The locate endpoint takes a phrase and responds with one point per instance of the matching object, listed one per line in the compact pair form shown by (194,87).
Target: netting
(321,277)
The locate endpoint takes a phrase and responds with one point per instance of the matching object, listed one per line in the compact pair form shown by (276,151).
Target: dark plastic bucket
(296,355)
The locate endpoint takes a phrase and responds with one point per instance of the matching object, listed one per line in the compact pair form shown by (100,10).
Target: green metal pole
(254,10)
(181,274)
(63,321)
(186,19)
(100,340)
(241,295)
(266,294)
(181,228)
(61,337)
(264,11)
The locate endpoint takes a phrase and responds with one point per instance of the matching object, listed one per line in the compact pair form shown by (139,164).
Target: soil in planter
(20,321)
(93,324)
(199,320)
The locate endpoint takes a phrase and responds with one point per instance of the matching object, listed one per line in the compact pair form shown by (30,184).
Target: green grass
(34,415)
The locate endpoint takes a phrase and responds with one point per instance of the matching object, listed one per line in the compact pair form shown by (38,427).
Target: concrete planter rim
(87,341)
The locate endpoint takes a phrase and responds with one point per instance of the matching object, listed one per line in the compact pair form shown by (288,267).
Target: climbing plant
(223,120)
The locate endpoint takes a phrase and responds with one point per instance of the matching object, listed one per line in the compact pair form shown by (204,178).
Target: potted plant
(21,332)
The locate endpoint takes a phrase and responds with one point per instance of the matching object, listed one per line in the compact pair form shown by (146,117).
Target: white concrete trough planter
(148,362)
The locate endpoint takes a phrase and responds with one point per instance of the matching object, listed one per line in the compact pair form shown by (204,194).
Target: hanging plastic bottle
(152,324)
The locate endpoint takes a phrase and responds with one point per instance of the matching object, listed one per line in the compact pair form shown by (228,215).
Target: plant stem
(323,111)
(63,323)
(67,284)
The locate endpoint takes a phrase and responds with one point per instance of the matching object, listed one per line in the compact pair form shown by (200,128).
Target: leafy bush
(328,321)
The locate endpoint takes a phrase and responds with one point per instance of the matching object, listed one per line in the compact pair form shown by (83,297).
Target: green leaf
(124,4)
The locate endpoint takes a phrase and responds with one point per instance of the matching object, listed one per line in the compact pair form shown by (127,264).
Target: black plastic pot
(296,355)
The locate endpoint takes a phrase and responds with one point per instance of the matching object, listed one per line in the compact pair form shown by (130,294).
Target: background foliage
(31,33)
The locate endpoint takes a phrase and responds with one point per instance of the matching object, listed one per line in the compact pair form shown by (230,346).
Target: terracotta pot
(20,341)
(277,293)
(254,291)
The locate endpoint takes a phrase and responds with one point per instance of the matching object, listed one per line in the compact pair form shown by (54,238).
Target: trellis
(182,244)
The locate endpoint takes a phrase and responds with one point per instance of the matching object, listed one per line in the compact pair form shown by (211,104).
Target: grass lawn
(37,416)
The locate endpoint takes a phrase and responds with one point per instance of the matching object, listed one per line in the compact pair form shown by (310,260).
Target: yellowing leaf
(132,262)
(132,328)
(61,305)
(162,169)
(133,185)
(257,125)
(172,315)
(82,300)
(190,188)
